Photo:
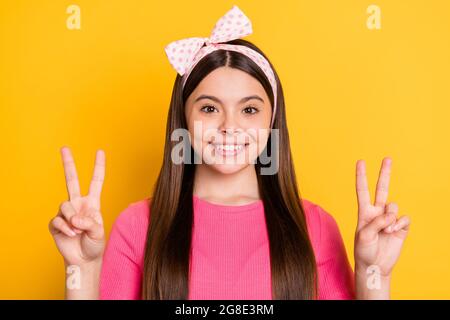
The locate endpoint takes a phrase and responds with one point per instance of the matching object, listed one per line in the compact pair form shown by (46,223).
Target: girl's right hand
(78,227)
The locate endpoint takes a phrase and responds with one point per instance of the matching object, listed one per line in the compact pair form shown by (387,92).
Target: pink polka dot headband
(186,53)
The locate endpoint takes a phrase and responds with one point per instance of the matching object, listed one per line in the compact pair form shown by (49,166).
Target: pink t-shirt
(230,253)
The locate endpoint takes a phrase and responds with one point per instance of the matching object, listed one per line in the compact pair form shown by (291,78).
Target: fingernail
(72,233)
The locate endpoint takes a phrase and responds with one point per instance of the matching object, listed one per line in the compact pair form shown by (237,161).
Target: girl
(226,222)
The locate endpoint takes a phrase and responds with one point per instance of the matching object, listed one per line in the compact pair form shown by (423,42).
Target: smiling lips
(228,149)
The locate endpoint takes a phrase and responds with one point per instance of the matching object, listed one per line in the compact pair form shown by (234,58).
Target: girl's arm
(122,266)
(366,286)
(86,287)
(336,277)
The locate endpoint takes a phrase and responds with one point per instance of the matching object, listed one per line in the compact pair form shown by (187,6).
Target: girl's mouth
(228,149)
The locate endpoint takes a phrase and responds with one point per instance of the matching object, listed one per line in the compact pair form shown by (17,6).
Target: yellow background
(350,92)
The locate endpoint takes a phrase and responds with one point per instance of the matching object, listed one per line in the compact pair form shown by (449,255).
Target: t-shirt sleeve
(121,274)
(336,278)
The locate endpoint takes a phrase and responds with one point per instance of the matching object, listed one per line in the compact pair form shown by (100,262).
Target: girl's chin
(226,168)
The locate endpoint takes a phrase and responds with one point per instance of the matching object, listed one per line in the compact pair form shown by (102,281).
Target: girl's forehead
(228,83)
(225,74)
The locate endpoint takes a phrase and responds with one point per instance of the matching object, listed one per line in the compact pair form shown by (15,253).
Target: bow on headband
(184,54)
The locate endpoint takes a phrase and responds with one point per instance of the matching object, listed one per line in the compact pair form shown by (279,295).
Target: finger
(93,229)
(98,177)
(384,176)
(67,210)
(59,225)
(70,172)
(94,214)
(362,188)
(370,232)
(391,208)
(401,227)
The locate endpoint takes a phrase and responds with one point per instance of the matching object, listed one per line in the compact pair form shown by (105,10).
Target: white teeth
(229,147)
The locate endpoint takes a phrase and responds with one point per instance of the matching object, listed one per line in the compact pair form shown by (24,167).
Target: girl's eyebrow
(243,100)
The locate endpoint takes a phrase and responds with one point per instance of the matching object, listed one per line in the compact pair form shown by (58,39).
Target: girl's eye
(208,109)
(251,110)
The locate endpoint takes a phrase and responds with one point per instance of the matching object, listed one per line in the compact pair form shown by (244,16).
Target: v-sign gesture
(78,227)
(379,233)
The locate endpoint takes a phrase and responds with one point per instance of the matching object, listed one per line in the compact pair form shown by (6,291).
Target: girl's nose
(229,124)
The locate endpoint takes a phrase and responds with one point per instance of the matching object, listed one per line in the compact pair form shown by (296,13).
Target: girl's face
(228,116)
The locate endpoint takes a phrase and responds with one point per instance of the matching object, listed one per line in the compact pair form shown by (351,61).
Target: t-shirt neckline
(229,208)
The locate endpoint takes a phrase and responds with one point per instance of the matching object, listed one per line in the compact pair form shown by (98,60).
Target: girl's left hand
(379,234)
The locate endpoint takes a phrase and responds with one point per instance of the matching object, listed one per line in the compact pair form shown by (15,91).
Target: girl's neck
(236,188)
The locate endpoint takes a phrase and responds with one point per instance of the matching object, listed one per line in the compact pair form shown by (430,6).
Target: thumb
(370,232)
(93,229)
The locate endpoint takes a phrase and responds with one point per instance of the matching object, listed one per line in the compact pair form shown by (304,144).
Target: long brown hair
(168,247)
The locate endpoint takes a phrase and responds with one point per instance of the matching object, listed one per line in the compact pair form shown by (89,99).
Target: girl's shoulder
(317,216)
(129,231)
(322,229)
(131,224)
(136,213)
